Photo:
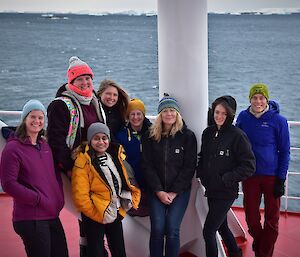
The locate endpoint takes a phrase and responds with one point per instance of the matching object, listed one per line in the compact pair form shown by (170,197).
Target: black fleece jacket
(169,165)
(225,159)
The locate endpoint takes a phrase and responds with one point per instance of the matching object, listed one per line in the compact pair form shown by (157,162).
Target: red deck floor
(288,243)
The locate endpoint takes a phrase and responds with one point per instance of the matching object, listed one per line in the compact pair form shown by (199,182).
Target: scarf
(112,176)
(82,97)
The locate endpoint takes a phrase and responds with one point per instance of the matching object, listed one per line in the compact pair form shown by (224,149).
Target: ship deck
(288,243)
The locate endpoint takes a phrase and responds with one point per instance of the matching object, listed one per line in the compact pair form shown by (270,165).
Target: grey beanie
(95,128)
(32,105)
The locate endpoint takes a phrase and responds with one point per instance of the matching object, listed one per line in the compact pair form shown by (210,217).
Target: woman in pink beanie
(73,110)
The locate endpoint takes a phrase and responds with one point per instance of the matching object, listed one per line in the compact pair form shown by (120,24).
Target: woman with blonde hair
(169,160)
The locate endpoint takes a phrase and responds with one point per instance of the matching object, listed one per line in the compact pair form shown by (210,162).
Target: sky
(138,5)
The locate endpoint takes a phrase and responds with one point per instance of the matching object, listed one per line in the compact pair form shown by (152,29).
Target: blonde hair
(156,131)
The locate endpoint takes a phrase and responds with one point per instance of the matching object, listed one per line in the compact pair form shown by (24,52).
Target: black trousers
(42,238)
(95,237)
(216,220)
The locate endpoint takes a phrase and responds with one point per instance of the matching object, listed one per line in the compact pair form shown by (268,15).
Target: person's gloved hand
(279,188)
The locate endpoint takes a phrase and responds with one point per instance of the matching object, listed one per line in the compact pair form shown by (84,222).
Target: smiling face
(34,122)
(220,115)
(136,118)
(258,103)
(100,143)
(83,83)
(109,97)
(168,117)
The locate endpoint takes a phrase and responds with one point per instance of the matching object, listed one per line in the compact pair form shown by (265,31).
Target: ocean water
(243,49)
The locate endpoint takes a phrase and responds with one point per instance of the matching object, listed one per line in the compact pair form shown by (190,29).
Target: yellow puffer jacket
(91,193)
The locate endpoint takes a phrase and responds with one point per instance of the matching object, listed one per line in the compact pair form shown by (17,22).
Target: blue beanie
(32,105)
(167,102)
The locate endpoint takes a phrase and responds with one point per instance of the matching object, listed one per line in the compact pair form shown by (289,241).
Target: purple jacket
(27,174)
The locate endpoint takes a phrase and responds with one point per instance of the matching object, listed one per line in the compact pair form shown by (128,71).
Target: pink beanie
(78,68)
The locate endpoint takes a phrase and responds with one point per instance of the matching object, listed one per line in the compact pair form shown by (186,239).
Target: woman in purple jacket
(27,174)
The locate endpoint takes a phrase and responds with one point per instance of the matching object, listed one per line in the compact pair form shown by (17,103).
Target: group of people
(118,162)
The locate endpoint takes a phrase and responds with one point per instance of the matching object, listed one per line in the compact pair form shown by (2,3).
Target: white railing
(291,173)
(10,113)
(286,197)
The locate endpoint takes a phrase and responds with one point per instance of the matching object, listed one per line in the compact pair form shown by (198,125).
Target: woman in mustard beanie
(268,133)
(130,137)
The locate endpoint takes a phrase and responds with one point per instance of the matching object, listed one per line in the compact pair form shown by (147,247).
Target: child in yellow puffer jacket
(102,191)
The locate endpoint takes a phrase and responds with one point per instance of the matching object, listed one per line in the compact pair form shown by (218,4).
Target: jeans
(165,222)
(264,236)
(42,238)
(216,220)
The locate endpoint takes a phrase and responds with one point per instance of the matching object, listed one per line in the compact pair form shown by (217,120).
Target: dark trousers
(165,221)
(264,236)
(42,238)
(95,237)
(216,220)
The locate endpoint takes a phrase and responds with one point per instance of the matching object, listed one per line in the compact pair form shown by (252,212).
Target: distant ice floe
(264,11)
(269,11)
(53,16)
(56,16)
(129,13)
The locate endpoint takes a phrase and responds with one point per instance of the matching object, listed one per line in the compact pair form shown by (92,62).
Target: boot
(239,253)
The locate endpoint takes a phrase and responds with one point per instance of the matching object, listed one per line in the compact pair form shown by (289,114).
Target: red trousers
(264,235)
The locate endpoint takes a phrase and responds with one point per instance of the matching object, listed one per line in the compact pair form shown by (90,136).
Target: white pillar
(183,57)
(183,73)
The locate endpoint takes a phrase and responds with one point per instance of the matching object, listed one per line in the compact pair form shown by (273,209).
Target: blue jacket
(132,143)
(270,140)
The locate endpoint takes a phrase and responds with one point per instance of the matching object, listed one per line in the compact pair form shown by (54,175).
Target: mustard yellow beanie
(136,104)
(259,89)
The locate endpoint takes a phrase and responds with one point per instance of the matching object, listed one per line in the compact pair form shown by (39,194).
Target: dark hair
(228,103)
(123,98)
(21,131)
